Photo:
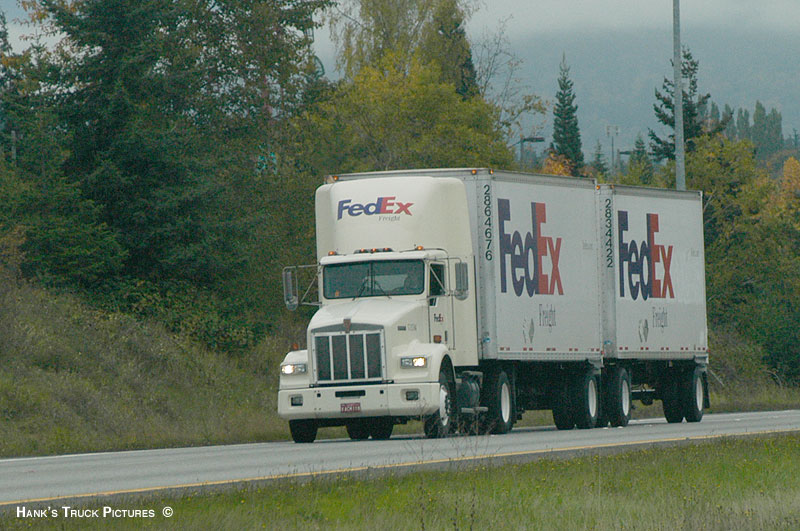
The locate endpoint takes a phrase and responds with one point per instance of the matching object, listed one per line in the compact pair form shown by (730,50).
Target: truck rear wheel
(381,428)
(618,397)
(440,424)
(358,430)
(671,399)
(692,395)
(500,401)
(587,400)
(563,416)
(303,431)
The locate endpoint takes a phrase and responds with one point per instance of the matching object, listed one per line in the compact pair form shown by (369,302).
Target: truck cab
(395,311)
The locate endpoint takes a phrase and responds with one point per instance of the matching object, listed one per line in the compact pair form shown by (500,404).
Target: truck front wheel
(303,431)
(440,424)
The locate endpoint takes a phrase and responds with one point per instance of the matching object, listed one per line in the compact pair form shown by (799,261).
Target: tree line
(161,158)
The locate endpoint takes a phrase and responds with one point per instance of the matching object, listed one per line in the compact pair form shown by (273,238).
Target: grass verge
(727,485)
(77,380)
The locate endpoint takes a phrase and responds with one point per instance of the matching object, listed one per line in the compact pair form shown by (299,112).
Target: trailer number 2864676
(487,211)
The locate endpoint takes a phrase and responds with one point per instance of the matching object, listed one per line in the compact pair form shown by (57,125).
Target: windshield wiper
(361,289)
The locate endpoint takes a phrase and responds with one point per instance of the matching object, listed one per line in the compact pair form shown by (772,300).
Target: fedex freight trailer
(466,297)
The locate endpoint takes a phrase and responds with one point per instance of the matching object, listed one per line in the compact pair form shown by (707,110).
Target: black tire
(586,393)
(563,415)
(692,395)
(671,400)
(442,423)
(358,430)
(500,401)
(381,428)
(303,431)
(618,397)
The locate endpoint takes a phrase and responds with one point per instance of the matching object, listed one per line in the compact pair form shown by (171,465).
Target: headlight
(293,368)
(415,362)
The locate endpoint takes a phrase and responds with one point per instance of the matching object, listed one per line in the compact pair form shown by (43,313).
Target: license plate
(351,407)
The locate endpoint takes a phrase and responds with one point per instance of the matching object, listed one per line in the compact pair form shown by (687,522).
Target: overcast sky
(555,15)
(526,18)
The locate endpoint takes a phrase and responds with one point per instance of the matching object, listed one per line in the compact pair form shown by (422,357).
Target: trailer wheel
(618,397)
(693,396)
(358,430)
(671,400)
(562,409)
(440,424)
(500,401)
(587,400)
(303,431)
(381,428)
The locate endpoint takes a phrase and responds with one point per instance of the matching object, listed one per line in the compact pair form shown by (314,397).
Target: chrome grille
(342,357)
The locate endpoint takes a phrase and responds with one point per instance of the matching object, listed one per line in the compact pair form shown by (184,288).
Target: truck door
(440,306)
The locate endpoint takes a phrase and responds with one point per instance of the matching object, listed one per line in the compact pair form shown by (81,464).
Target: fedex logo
(528,252)
(637,259)
(383,205)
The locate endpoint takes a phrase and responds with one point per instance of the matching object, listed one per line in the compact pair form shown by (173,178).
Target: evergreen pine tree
(566,134)
(743,124)
(447,44)
(693,111)
(640,163)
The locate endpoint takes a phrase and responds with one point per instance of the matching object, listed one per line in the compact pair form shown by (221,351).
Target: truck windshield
(374,279)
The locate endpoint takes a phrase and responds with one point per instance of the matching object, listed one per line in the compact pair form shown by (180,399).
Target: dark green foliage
(136,172)
(566,134)
(767,132)
(48,230)
(752,241)
(137,140)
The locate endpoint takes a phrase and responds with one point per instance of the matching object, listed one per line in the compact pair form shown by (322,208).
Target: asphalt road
(102,474)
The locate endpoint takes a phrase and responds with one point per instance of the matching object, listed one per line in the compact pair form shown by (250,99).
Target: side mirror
(462,281)
(290,294)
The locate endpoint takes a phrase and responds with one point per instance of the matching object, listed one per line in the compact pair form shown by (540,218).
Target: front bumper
(356,401)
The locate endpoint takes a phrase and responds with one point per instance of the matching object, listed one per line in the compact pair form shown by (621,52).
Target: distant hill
(615,75)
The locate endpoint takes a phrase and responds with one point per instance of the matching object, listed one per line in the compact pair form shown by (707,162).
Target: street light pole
(612,131)
(521,143)
(680,155)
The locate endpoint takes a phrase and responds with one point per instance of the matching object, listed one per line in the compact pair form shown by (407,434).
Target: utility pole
(680,155)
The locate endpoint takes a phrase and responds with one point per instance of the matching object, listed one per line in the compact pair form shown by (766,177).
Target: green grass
(77,380)
(728,484)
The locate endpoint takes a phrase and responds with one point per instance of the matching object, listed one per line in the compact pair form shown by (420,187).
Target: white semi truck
(464,297)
